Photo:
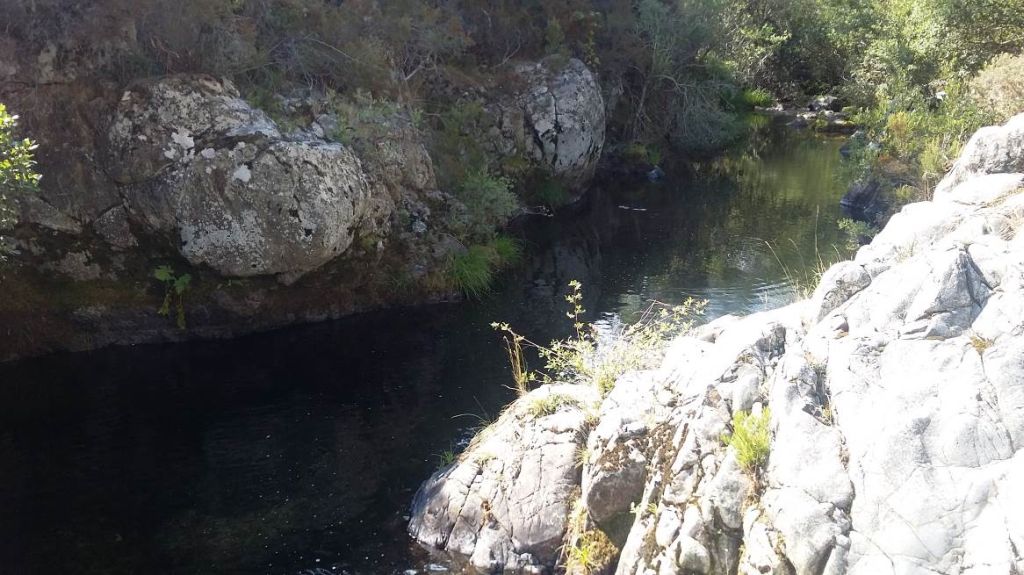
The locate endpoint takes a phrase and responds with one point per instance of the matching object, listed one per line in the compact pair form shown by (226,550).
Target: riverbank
(892,410)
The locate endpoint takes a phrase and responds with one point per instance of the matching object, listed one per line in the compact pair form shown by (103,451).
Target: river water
(298,451)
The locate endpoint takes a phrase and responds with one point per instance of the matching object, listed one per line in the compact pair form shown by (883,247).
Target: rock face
(505,503)
(896,397)
(215,174)
(337,189)
(992,150)
(565,117)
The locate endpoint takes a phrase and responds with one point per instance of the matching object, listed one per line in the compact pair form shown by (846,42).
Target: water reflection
(298,451)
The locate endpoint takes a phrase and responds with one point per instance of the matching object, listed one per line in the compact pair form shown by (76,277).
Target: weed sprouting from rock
(550,404)
(598,358)
(751,438)
(175,287)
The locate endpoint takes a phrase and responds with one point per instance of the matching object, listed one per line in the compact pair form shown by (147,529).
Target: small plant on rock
(857,232)
(980,344)
(446,457)
(751,437)
(550,404)
(587,550)
(175,287)
(599,359)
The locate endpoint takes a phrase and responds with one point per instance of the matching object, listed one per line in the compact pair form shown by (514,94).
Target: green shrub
(587,550)
(751,438)
(17,167)
(489,203)
(455,143)
(550,404)
(507,251)
(857,232)
(447,457)
(750,98)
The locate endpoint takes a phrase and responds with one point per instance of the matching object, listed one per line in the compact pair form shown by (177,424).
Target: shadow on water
(298,451)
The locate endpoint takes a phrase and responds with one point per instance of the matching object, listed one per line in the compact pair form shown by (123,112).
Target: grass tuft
(549,404)
(751,438)
(473,271)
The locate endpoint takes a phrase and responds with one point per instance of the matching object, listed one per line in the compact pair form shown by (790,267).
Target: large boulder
(215,175)
(565,118)
(504,505)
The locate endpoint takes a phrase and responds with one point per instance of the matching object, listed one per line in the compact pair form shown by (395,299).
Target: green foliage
(489,203)
(447,457)
(751,98)
(17,167)
(596,358)
(980,344)
(507,251)
(473,271)
(857,232)
(364,120)
(554,38)
(175,288)
(552,193)
(751,438)
(549,404)
(456,145)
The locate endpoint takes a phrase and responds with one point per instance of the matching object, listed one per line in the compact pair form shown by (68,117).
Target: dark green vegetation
(175,287)
(473,270)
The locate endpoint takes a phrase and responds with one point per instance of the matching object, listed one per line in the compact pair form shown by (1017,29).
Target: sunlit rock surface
(897,411)
(215,174)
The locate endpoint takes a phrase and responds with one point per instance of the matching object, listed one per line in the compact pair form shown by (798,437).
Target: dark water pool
(298,451)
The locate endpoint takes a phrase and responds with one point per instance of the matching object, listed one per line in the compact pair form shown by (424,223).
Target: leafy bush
(999,87)
(507,251)
(751,98)
(751,438)
(17,166)
(587,550)
(857,232)
(489,203)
